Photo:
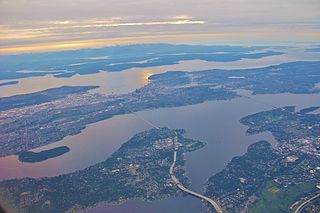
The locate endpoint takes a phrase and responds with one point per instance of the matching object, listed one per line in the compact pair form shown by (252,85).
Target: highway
(305,203)
(181,187)
(214,204)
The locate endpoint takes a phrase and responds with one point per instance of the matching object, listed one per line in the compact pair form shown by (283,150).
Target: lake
(215,122)
(131,79)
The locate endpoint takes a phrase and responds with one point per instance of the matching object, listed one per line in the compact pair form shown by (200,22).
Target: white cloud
(82,19)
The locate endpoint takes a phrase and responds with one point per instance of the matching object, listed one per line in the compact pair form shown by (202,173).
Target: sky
(45,25)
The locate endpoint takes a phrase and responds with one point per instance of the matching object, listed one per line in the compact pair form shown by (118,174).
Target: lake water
(215,122)
(131,79)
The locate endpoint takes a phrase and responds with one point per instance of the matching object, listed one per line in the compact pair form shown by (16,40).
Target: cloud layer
(33,25)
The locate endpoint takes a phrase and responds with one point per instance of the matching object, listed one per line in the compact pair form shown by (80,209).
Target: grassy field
(275,199)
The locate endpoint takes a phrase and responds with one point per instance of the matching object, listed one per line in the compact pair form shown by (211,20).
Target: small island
(9,83)
(33,157)
(139,169)
(50,115)
(120,58)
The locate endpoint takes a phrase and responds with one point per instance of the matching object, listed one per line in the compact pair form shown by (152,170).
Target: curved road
(181,187)
(305,203)
(174,179)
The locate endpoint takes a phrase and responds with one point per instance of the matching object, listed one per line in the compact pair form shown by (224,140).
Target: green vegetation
(277,176)
(243,176)
(32,157)
(49,121)
(139,169)
(273,198)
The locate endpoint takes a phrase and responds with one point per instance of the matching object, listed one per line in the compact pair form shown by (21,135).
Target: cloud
(65,22)
(35,22)
(180,17)
(76,44)
(61,28)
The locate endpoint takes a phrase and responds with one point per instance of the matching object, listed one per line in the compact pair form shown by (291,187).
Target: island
(9,83)
(272,179)
(33,157)
(139,169)
(49,118)
(119,58)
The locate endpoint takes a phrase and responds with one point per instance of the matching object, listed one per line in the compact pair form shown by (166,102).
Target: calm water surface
(131,79)
(216,123)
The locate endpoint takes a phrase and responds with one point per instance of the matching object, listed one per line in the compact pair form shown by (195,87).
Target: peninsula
(271,179)
(49,118)
(139,169)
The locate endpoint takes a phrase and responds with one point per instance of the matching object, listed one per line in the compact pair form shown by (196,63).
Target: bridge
(214,204)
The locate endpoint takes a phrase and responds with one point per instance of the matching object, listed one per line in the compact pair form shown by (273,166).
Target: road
(173,177)
(305,203)
(181,187)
